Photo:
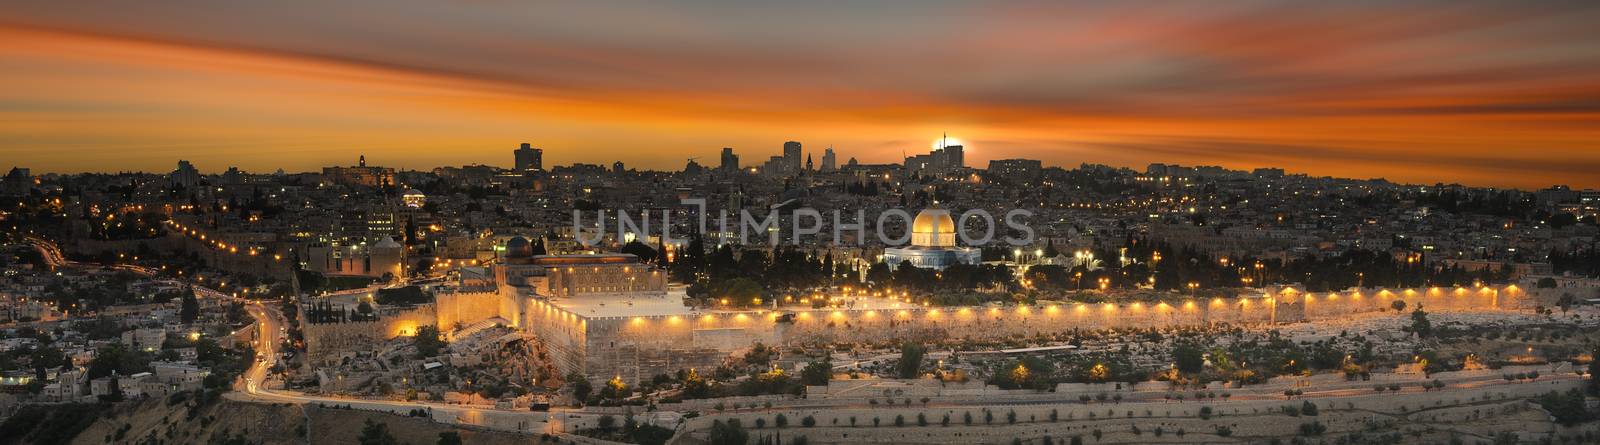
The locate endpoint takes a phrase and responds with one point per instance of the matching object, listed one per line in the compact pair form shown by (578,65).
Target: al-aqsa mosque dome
(933,243)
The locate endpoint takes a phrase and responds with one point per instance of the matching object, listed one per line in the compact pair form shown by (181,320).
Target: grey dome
(519,247)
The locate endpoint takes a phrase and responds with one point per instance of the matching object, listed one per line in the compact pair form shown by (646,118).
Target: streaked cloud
(1480,92)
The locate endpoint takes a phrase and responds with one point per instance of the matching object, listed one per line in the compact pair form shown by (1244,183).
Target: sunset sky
(1495,94)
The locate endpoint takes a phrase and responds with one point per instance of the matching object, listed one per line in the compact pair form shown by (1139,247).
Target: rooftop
(604,306)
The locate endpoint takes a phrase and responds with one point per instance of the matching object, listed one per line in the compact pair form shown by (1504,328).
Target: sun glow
(947,141)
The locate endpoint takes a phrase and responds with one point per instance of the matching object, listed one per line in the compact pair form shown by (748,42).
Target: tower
(529,158)
(829,162)
(730,161)
(954,157)
(791,155)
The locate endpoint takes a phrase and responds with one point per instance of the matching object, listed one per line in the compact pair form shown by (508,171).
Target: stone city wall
(327,342)
(1000,322)
(635,348)
(468,307)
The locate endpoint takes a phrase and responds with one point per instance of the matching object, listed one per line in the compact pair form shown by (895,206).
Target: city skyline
(1488,94)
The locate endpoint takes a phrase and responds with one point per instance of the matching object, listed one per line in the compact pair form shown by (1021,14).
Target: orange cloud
(1486,95)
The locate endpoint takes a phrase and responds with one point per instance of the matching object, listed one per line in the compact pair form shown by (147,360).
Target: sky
(1482,93)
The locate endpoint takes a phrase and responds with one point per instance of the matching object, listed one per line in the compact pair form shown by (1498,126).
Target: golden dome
(933,221)
(933,227)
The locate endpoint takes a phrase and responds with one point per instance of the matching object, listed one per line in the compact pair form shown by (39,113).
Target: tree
(606,422)
(910,365)
(1568,408)
(428,341)
(580,387)
(644,252)
(46,358)
(816,373)
(376,434)
(1308,408)
(117,359)
(190,309)
(694,386)
(738,290)
(1594,373)
(449,438)
(1420,324)
(1189,358)
(730,432)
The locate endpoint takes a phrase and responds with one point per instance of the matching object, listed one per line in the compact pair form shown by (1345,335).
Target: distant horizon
(743,165)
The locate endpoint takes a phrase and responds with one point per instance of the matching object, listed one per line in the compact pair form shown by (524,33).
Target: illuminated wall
(636,348)
(327,342)
(466,308)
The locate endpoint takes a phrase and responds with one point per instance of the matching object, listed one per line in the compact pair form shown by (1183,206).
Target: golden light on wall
(404,329)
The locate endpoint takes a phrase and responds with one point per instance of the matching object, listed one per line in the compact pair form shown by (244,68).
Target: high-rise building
(185,176)
(776,166)
(529,158)
(829,162)
(946,159)
(791,156)
(730,161)
(954,157)
(617,168)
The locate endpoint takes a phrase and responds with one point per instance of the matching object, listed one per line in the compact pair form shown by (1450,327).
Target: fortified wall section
(640,347)
(328,342)
(468,307)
